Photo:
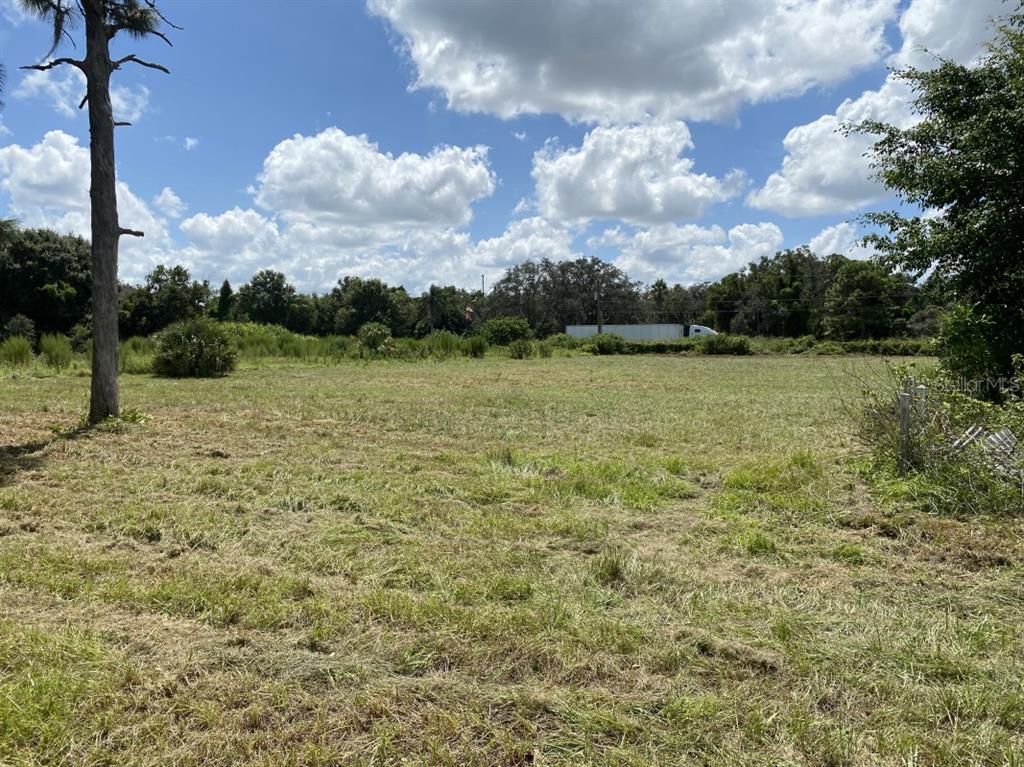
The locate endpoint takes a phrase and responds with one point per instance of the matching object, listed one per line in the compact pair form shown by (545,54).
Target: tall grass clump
(55,348)
(16,351)
(443,344)
(723,343)
(475,346)
(135,355)
(564,341)
(197,348)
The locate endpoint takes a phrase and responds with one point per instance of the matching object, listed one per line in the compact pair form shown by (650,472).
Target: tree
(963,163)
(355,302)
(45,276)
(862,301)
(169,295)
(267,298)
(104,20)
(225,302)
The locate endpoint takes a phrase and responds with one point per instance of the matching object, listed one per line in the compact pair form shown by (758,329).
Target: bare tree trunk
(105,227)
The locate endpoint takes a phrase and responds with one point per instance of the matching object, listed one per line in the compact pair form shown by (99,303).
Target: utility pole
(482,291)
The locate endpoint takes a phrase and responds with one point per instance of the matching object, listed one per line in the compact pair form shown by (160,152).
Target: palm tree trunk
(105,227)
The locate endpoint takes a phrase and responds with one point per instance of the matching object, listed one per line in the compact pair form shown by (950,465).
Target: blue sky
(675,139)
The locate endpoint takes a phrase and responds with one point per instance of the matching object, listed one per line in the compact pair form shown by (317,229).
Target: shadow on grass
(15,459)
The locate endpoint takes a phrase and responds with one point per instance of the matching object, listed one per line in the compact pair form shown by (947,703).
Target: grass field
(582,560)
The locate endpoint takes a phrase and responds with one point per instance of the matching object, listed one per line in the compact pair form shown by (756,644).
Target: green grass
(561,561)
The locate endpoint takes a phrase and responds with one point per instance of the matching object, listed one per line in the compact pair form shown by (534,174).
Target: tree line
(45,276)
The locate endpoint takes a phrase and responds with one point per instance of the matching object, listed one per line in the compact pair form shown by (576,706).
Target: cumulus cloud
(634,173)
(335,204)
(842,238)
(342,180)
(528,238)
(168,203)
(48,186)
(64,88)
(190,143)
(624,62)
(689,253)
(807,185)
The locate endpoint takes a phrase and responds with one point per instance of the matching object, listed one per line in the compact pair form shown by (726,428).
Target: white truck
(648,332)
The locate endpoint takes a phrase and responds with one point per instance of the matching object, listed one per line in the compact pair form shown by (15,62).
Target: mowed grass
(567,561)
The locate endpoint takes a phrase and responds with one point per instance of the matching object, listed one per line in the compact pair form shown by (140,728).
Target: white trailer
(652,332)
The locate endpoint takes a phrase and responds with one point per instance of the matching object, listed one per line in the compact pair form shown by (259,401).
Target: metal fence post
(903,402)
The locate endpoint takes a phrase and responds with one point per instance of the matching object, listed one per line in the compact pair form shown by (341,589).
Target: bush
(197,348)
(724,343)
(564,341)
(667,346)
(20,325)
(81,336)
(376,338)
(502,331)
(475,346)
(545,349)
(16,351)
(443,344)
(827,348)
(56,350)
(520,349)
(607,343)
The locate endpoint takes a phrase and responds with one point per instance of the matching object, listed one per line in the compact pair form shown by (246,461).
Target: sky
(438,142)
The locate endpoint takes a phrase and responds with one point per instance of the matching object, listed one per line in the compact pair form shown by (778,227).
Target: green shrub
(197,348)
(502,331)
(443,344)
(475,346)
(376,338)
(20,325)
(724,343)
(607,343)
(81,335)
(827,348)
(666,346)
(545,349)
(16,351)
(520,349)
(564,341)
(56,350)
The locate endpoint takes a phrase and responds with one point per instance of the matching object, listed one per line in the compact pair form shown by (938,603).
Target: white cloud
(190,143)
(520,135)
(334,204)
(842,238)
(529,238)
(807,184)
(64,88)
(623,62)
(634,173)
(48,186)
(689,253)
(168,203)
(342,180)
